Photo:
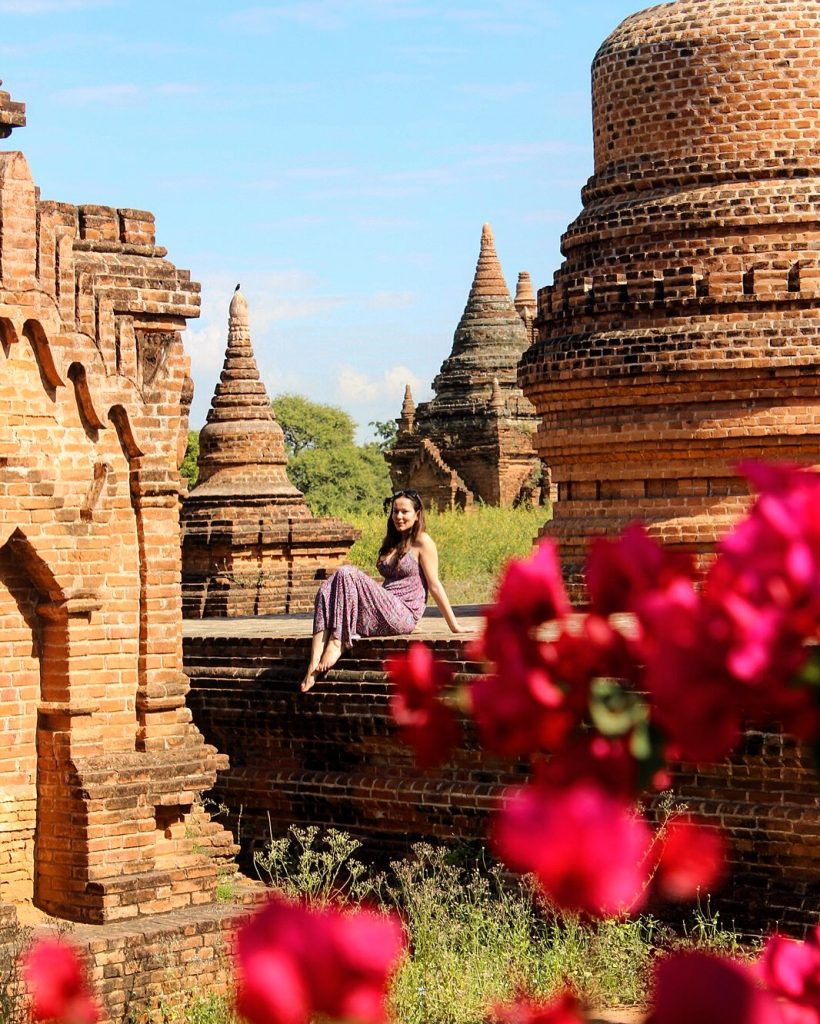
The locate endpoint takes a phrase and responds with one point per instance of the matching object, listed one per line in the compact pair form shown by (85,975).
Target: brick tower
(473,440)
(100,764)
(682,331)
(250,545)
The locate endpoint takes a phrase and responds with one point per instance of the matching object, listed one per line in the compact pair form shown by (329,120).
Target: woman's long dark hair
(402,542)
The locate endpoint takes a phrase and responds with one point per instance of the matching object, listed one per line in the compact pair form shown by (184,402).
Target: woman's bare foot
(330,655)
(309,681)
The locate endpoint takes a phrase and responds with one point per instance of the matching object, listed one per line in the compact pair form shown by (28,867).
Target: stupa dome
(711,89)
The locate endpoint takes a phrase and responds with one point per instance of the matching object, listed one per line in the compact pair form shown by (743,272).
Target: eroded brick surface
(100,765)
(681,332)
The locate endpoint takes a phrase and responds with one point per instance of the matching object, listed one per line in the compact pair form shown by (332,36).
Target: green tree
(189,468)
(386,432)
(309,424)
(335,474)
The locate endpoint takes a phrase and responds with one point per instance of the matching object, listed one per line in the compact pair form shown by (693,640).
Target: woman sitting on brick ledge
(351,604)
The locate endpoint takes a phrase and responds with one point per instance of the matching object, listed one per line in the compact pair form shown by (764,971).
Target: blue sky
(336,157)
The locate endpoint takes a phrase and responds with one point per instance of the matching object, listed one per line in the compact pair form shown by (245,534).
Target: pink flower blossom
(691,859)
(791,969)
(695,988)
(693,698)
(521,714)
(57,984)
(586,847)
(619,572)
(531,590)
(563,1009)
(425,723)
(294,962)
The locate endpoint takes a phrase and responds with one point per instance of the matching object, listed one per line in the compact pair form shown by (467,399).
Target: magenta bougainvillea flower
(696,988)
(791,970)
(425,723)
(587,848)
(691,859)
(563,1009)
(57,984)
(294,961)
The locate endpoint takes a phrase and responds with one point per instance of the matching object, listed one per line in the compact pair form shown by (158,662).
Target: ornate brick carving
(474,439)
(102,767)
(681,332)
(250,543)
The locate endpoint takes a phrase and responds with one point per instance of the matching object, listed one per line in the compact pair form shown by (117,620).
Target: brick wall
(331,758)
(100,766)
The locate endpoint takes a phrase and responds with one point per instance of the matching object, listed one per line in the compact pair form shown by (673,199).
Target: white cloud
(359,389)
(391,300)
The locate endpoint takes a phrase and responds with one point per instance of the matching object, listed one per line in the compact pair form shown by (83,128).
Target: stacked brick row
(681,332)
(473,440)
(100,765)
(250,545)
(333,759)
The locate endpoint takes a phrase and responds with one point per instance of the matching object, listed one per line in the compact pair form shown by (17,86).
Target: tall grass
(475,936)
(472,546)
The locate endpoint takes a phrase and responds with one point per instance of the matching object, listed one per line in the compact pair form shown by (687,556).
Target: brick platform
(331,758)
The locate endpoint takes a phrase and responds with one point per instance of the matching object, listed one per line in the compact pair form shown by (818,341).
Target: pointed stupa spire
(408,411)
(524,296)
(488,342)
(241,446)
(488,280)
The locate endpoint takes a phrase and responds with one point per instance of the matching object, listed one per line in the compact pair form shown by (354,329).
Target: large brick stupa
(682,331)
(473,440)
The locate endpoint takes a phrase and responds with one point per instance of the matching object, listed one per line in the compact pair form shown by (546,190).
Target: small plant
(318,868)
(197,1009)
(706,932)
(13,941)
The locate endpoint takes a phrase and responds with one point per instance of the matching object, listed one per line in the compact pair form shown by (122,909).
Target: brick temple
(681,332)
(101,767)
(473,440)
(250,545)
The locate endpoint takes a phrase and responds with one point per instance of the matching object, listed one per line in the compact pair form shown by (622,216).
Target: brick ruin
(473,440)
(101,767)
(250,545)
(681,332)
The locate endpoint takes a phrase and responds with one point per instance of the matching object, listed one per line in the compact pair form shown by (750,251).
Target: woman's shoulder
(424,542)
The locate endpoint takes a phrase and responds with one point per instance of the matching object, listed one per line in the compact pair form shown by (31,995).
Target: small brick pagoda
(101,767)
(474,439)
(682,331)
(250,543)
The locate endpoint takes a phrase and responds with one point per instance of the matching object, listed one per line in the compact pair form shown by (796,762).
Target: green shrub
(477,936)
(472,546)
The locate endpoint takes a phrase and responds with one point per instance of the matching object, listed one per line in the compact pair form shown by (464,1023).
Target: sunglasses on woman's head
(408,493)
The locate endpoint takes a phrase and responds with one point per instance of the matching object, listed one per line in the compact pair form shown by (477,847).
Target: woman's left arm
(428,560)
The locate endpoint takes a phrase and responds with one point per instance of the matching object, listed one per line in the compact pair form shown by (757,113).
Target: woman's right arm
(428,560)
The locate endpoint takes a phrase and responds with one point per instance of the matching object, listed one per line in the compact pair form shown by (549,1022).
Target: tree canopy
(311,425)
(335,474)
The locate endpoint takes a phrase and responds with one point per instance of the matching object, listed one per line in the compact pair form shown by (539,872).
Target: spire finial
(489,279)
(408,411)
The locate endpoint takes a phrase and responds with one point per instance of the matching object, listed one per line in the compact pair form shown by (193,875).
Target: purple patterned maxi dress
(351,604)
